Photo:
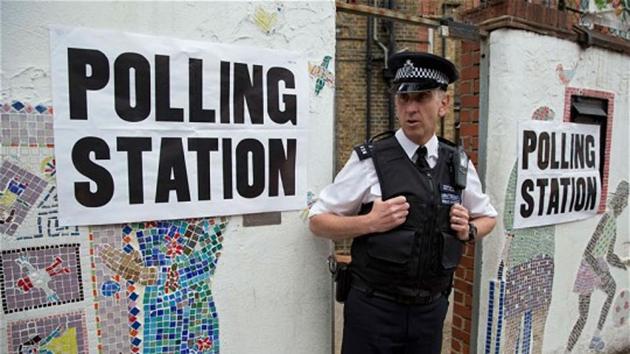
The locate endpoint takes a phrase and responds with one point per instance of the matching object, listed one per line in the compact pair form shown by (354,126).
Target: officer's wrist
(472,233)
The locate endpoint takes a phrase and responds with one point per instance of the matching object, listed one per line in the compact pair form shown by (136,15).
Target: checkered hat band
(410,72)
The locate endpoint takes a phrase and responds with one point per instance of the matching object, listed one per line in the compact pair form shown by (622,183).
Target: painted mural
(146,285)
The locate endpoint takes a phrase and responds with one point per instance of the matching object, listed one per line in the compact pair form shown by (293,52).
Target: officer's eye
(404,97)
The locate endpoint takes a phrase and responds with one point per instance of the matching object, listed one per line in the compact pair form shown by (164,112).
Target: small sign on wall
(558,173)
(150,128)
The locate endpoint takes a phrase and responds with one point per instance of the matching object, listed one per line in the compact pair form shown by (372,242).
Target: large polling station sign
(558,173)
(150,128)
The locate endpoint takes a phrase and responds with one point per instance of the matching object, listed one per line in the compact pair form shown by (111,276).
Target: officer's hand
(459,221)
(386,215)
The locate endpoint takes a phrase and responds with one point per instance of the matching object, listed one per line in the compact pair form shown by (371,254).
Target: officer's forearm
(338,227)
(484,225)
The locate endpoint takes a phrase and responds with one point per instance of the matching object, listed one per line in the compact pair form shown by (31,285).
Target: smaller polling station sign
(154,128)
(558,173)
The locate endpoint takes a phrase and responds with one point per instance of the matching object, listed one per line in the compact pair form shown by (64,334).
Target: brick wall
(351,73)
(468,92)
(350,113)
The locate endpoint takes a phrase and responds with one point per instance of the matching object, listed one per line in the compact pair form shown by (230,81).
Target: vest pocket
(392,248)
(452,249)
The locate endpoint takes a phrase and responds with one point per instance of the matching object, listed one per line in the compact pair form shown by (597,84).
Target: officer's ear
(445,100)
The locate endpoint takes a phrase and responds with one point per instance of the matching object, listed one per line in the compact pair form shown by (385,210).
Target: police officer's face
(418,113)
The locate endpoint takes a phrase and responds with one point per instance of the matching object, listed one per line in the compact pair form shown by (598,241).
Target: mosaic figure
(19,190)
(57,334)
(524,278)
(529,280)
(40,278)
(168,266)
(322,75)
(594,272)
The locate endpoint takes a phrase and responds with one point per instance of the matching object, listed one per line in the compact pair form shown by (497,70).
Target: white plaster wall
(522,77)
(271,287)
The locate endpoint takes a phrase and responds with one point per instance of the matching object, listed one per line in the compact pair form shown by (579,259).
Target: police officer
(409,212)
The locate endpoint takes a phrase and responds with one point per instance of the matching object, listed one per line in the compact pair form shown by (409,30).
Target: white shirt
(357,184)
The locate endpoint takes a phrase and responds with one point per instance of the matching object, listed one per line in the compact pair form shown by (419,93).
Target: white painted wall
(522,77)
(271,287)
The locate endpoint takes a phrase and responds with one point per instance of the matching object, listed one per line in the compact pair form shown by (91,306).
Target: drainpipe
(443,39)
(368,78)
(390,49)
(383,48)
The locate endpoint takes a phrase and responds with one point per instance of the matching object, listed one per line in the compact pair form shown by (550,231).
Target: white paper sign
(558,173)
(153,128)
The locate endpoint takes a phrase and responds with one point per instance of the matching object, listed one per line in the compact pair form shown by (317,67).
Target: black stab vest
(421,254)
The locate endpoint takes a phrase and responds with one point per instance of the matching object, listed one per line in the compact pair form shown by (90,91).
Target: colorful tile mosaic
(32,129)
(322,75)
(40,276)
(57,334)
(621,308)
(594,273)
(165,268)
(525,277)
(19,190)
(25,107)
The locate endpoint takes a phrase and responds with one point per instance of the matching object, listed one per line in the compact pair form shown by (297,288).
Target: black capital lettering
(543,150)
(123,66)
(134,146)
(591,193)
(203,146)
(172,162)
(289,114)
(97,173)
(78,80)
(195,90)
(527,209)
(225,92)
(541,183)
(226,148)
(590,151)
(163,110)
(554,197)
(250,90)
(282,165)
(529,146)
(244,149)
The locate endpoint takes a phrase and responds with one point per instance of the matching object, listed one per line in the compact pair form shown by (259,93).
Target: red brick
(467,262)
(461,335)
(458,321)
(458,297)
(470,101)
(456,345)
(471,72)
(465,87)
(468,129)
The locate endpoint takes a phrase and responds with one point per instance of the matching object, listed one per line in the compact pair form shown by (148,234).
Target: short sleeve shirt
(357,184)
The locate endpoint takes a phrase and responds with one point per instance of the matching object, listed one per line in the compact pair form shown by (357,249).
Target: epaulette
(364,151)
(448,143)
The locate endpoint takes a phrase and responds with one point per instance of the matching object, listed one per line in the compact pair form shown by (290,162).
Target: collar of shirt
(410,147)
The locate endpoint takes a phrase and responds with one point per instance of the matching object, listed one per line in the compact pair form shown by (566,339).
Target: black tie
(422,158)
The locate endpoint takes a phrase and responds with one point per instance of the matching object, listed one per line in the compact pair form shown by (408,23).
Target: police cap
(417,72)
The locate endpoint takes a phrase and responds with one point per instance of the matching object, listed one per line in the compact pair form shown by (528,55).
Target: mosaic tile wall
(520,296)
(130,288)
